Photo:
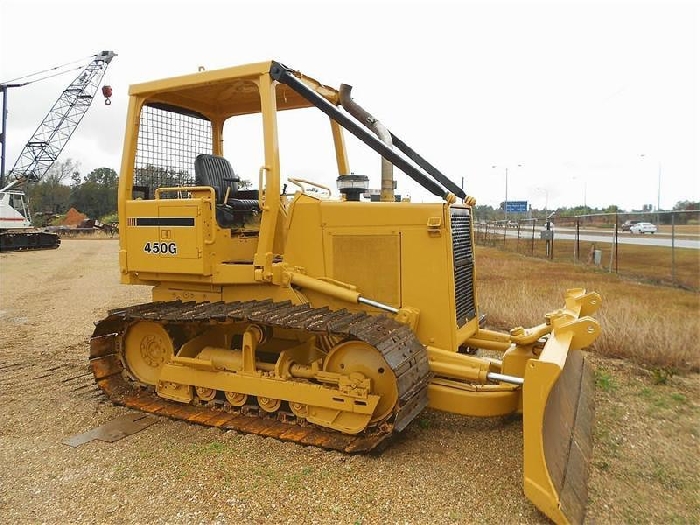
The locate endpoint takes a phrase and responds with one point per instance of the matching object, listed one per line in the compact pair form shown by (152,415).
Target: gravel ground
(442,469)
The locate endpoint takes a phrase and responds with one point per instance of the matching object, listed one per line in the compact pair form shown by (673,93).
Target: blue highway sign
(516,206)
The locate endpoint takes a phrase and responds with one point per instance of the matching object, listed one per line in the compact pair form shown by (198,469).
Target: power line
(80,66)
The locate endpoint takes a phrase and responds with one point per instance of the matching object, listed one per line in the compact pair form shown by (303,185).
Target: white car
(643,227)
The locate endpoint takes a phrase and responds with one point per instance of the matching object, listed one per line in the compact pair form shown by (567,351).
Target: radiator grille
(463,256)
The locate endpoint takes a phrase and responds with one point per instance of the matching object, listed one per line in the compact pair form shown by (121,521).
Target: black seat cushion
(248,194)
(215,171)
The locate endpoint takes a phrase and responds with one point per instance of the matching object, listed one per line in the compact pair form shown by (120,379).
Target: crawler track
(23,240)
(396,342)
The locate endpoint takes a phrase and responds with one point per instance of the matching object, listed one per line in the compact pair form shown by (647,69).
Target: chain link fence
(661,246)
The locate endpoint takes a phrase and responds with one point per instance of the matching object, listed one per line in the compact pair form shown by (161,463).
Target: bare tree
(61,171)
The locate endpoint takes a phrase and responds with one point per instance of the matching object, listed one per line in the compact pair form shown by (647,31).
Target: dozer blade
(558,411)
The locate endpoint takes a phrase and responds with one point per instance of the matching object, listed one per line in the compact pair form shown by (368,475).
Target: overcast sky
(581,101)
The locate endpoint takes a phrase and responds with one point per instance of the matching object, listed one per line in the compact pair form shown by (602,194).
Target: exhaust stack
(352,107)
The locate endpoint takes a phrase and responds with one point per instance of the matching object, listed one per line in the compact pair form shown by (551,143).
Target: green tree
(484,212)
(96,195)
(51,196)
(686,206)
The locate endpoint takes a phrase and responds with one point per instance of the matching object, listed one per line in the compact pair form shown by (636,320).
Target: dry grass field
(654,264)
(647,432)
(442,469)
(651,325)
(680,229)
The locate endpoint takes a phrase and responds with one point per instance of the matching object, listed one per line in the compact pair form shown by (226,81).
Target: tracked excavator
(324,319)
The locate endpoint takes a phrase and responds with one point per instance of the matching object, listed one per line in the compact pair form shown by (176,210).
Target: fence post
(673,248)
(551,251)
(616,243)
(577,247)
(550,239)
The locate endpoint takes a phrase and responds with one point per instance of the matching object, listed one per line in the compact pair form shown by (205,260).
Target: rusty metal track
(396,342)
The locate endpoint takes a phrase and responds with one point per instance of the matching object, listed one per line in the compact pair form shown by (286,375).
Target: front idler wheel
(357,357)
(147,348)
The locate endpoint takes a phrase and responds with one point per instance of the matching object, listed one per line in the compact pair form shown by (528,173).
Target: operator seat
(217,173)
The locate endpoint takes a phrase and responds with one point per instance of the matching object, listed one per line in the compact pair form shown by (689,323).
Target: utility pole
(3,87)
(3,133)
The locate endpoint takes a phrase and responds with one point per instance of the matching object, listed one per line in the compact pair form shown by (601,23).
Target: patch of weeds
(661,376)
(215,447)
(661,401)
(658,399)
(424,423)
(666,477)
(609,442)
(602,465)
(677,519)
(265,472)
(456,516)
(679,398)
(604,381)
(295,479)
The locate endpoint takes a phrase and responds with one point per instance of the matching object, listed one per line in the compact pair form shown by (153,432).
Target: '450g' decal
(160,247)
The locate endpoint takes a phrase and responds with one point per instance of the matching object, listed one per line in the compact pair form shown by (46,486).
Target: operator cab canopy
(223,93)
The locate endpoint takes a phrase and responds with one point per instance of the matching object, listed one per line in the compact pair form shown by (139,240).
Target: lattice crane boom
(52,135)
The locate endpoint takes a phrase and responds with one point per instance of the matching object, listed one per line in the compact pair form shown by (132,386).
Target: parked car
(628,224)
(643,227)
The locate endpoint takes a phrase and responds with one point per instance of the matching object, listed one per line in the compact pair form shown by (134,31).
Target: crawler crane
(41,151)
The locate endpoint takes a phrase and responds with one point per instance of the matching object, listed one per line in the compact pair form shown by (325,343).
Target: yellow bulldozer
(327,319)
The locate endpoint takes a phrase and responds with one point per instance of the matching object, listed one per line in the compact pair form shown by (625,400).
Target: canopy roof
(223,93)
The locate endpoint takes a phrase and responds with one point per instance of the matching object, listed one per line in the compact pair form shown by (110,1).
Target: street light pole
(505,203)
(658,191)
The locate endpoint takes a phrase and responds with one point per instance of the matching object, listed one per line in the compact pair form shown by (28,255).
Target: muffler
(352,107)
